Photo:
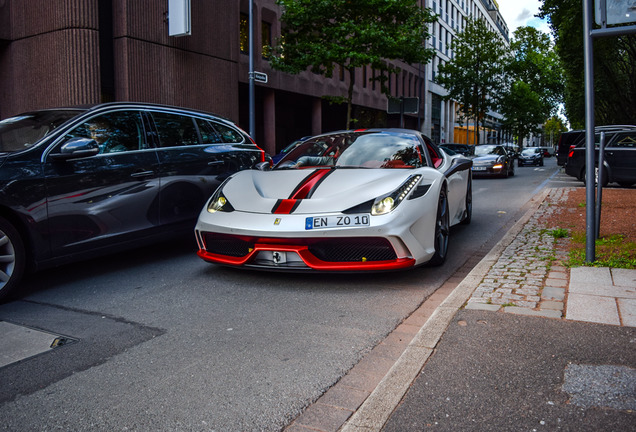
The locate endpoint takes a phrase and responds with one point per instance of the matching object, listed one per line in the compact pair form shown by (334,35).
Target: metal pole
(251,72)
(590,231)
(599,185)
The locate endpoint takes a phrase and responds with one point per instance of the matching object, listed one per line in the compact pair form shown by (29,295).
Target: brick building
(73,52)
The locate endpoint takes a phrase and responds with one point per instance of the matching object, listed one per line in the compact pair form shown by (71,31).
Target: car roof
(126,104)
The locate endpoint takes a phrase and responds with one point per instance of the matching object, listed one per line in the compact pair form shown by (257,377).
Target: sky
(520,13)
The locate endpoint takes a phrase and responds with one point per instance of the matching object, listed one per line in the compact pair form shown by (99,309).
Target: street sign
(615,11)
(259,77)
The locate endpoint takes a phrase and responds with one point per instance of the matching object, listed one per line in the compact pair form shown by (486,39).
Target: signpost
(607,12)
(260,77)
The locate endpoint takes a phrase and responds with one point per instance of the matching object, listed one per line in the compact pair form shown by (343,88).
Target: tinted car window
(175,130)
(208,133)
(228,134)
(627,140)
(114,132)
(21,132)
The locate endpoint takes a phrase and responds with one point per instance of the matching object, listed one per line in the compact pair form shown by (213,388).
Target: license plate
(479,168)
(323,222)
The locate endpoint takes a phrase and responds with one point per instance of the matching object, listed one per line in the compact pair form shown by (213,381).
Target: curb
(378,407)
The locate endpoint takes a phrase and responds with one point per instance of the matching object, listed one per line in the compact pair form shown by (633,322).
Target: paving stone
(553,293)
(552,305)
(531,312)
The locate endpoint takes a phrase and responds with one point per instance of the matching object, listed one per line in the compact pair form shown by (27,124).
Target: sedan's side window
(626,141)
(114,132)
(228,134)
(175,130)
(208,133)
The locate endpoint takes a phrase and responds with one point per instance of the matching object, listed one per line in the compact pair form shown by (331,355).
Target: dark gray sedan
(492,160)
(531,156)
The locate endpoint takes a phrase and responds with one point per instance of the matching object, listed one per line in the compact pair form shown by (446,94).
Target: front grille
(350,249)
(353,250)
(227,245)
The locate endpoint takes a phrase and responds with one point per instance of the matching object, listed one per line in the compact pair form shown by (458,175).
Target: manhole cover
(19,342)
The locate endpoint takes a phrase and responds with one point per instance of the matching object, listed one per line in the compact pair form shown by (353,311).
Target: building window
(244,36)
(266,39)
(364,77)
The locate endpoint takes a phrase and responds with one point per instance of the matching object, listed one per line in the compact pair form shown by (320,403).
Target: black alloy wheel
(442,229)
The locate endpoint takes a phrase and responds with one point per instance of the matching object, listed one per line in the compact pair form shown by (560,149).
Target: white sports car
(364,200)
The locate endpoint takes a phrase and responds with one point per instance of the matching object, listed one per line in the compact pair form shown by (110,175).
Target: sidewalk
(518,344)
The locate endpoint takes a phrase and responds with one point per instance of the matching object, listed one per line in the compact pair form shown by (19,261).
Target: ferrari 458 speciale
(364,200)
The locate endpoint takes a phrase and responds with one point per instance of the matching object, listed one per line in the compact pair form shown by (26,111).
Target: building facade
(76,52)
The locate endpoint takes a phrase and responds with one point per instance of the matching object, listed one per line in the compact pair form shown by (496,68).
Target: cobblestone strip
(525,280)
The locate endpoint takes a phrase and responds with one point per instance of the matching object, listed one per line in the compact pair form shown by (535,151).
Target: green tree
(536,91)
(614,67)
(321,35)
(523,110)
(476,76)
(553,128)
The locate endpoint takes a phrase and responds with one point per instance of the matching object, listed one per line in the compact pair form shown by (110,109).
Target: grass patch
(559,233)
(612,251)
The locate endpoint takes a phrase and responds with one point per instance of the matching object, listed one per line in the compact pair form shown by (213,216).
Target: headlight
(219,202)
(497,166)
(385,204)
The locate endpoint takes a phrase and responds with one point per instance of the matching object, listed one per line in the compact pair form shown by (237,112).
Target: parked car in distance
(76,183)
(619,157)
(547,151)
(568,140)
(492,160)
(572,139)
(531,156)
(463,149)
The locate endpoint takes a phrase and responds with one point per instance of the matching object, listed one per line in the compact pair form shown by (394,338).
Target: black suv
(620,156)
(80,182)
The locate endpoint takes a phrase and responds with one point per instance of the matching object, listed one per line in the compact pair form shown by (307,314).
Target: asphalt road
(159,340)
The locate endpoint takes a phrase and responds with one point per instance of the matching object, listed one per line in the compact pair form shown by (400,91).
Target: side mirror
(263,166)
(77,148)
(458,164)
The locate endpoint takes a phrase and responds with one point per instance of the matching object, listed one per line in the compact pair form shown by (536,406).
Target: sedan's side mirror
(77,148)
(263,166)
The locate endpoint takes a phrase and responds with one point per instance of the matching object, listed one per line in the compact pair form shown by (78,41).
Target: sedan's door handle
(142,174)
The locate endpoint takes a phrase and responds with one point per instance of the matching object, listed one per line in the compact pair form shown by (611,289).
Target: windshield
(357,150)
(529,151)
(21,132)
(489,149)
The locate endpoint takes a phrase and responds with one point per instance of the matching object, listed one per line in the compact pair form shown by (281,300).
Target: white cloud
(520,13)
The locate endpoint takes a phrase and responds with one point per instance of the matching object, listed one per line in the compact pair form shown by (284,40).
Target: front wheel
(468,212)
(12,259)
(442,230)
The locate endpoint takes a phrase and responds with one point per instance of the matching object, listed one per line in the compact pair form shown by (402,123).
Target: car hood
(315,190)
(486,159)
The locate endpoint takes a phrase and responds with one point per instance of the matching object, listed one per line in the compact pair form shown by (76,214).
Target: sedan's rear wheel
(442,230)
(12,258)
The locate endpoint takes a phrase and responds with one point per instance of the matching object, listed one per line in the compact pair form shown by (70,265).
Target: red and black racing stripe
(304,190)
